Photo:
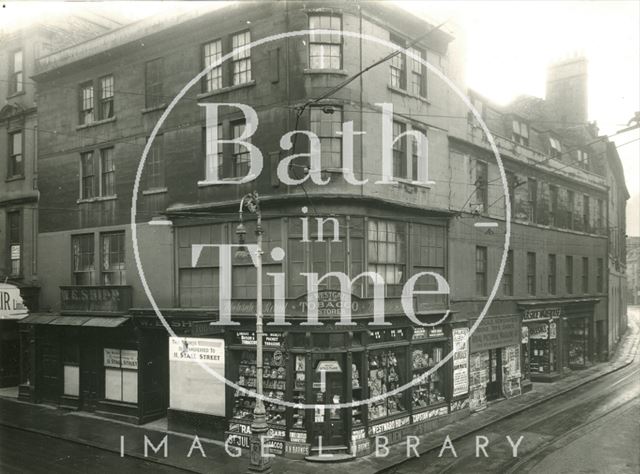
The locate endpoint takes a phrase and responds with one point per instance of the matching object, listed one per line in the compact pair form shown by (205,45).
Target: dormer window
(583,159)
(555,150)
(520,132)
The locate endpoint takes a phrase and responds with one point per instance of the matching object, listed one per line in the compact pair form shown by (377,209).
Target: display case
(431,389)
(385,375)
(577,342)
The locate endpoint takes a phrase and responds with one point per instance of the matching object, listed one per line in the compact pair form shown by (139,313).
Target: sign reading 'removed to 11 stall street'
(11,304)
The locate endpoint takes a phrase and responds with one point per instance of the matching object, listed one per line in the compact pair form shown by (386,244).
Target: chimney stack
(566,92)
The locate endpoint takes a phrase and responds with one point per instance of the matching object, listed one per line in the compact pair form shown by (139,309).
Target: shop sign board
(237,440)
(460,361)
(248,338)
(361,447)
(389,426)
(541,313)
(429,414)
(494,332)
(420,333)
(191,387)
(96,299)
(11,304)
(120,358)
(296,449)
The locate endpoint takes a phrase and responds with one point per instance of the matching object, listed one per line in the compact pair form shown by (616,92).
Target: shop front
(557,336)
(494,362)
(316,365)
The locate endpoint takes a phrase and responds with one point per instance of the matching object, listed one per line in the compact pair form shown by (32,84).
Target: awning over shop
(85,321)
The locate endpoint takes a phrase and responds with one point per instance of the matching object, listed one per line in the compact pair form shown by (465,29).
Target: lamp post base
(258,464)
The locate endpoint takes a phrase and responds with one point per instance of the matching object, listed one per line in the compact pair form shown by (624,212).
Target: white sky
(508,48)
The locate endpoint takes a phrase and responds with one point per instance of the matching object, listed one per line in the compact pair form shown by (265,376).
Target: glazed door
(494,387)
(329,389)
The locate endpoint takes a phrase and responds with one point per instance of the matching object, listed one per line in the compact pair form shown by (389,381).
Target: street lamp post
(258,463)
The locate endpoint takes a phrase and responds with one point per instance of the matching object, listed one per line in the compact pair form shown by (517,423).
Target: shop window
(481,271)
(551,277)
(325,50)
(569,274)
(16,157)
(385,375)
(356,388)
(299,388)
(71,370)
(577,342)
(112,267)
(212,53)
(121,375)
(274,382)
(326,123)
(585,274)
(14,225)
(507,275)
(542,347)
(153,75)
(387,247)
(83,259)
(531,273)
(431,389)
(241,59)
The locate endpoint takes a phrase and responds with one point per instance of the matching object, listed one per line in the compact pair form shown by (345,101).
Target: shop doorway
(494,387)
(329,379)
(50,383)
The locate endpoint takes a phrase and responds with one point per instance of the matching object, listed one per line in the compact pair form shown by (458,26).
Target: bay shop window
(352,245)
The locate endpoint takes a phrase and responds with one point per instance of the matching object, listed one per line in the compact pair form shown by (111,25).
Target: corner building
(103,349)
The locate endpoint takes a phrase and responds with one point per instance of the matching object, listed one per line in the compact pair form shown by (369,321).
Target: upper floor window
(105,106)
(533,198)
(398,66)
(16,78)
(417,73)
(107,173)
(241,157)
(600,222)
(481,271)
(555,150)
(551,282)
(325,49)
(507,276)
(86,106)
(582,159)
(97,173)
(569,274)
(325,122)
(481,183)
(112,266)
(521,132)
(586,213)
(531,273)
(241,59)
(585,274)
(155,164)
(83,259)
(553,194)
(399,150)
(153,83)
(571,206)
(16,158)
(600,276)
(87,176)
(214,157)
(14,234)
(212,52)
(387,253)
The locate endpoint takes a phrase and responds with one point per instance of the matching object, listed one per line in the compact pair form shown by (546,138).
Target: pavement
(112,436)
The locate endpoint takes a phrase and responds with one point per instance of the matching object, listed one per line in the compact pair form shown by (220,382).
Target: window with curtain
(325,122)
(112,271)
(106,97)
(387,253)
(16,157)
(83,259)
(86,103)
(107,172)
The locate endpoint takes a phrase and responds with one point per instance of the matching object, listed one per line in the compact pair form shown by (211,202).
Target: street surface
(593,429)
(28,452)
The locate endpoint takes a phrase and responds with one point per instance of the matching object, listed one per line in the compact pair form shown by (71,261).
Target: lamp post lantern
(259,463)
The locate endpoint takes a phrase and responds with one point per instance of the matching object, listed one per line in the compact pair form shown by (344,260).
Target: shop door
(50,386)
(329,423)
(494,387)
(90,375)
